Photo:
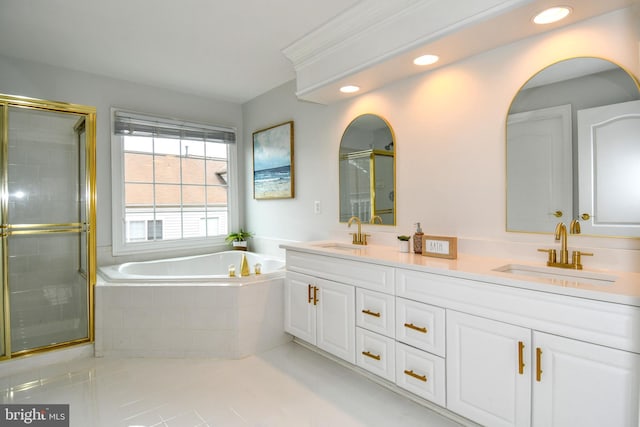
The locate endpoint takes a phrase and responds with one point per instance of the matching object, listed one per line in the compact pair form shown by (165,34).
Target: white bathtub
(211,268)
(189,307)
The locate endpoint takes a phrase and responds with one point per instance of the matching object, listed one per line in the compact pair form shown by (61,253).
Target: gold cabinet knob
(585,217)
(557,214)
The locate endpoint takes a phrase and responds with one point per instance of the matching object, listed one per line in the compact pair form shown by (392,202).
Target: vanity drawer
(362,274)
(375,311)
(376,353)
(421,373)
(420,325)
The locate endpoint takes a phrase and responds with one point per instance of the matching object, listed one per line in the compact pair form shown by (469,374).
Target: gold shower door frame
(86,124)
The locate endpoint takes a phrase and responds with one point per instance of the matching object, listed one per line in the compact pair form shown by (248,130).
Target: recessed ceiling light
(426,60)
(349,89)
(551,15)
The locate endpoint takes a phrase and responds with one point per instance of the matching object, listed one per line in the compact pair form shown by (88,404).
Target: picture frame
(273,168)
(440,247)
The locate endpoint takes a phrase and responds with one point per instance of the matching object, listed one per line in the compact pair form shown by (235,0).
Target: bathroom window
(168,176)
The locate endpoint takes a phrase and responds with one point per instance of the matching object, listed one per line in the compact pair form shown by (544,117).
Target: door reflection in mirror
(547,159)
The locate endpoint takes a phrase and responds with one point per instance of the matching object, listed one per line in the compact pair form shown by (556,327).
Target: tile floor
(286,386)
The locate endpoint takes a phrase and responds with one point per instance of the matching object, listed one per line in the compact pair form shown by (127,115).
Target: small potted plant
(239,239)
(404,243)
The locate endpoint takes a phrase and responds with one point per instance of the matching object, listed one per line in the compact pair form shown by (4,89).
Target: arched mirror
(367,171)
(573,150)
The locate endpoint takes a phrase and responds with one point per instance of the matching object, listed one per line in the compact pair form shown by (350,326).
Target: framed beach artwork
(273,162)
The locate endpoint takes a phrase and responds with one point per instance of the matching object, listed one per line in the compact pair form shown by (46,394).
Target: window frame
(120,246)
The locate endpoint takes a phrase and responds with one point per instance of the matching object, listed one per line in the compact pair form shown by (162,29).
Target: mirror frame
(385,153)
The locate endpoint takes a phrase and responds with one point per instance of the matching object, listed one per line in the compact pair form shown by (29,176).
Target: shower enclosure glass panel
(4,315)
(45,221)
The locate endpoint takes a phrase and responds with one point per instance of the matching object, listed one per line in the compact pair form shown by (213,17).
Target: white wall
(450,139)
(56,84)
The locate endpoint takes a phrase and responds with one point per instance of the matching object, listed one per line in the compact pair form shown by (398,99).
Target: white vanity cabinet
(321,312)
(320,302)
(504,375)
(583,384)
(588,350)
(486,376)
(496,354)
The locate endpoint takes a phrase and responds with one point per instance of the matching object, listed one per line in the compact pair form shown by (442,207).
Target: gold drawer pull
(371,313)
(538,364)
(415,328)
(520,357)
(416,376)
(373,356)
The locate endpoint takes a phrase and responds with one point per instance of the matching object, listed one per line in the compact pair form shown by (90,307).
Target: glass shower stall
(48,259)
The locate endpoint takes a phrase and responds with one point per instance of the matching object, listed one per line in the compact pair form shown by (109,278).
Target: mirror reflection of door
(536,196)
(609,164)
(539,169)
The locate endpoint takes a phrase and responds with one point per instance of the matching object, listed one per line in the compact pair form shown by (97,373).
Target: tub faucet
(244,266)
(358,238)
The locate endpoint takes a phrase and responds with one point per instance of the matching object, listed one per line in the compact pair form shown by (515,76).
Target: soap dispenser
(417,239)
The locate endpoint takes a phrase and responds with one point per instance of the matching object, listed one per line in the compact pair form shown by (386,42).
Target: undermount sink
(565,276)
(340,246)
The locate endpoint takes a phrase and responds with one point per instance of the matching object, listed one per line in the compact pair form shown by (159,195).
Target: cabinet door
(335,311)
(299,313)
(484,364)
(584,384)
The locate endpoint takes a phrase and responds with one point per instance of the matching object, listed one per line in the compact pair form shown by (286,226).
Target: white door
(299,311)
(539,169)
(609,169)
(584,385)
(488,370)
(335,311)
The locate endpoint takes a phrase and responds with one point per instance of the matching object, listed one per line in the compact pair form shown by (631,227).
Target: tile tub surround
(284,387)
(189,320)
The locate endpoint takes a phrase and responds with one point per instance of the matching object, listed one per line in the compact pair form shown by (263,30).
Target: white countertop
(624,290)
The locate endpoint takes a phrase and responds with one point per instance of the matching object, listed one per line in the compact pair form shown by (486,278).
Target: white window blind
(135,124)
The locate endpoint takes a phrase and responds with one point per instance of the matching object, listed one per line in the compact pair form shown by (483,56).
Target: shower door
(47,227)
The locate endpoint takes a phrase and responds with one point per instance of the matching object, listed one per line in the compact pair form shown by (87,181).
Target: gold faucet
(375,218)
(561,235)
(358,238)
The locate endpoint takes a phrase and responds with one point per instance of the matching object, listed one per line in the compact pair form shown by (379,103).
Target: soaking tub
(190,307)
(201,268)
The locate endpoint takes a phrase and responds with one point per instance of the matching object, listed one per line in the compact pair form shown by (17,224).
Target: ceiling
(227,50)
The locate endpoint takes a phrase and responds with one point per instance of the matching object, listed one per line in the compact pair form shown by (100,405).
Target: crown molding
(374,39)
